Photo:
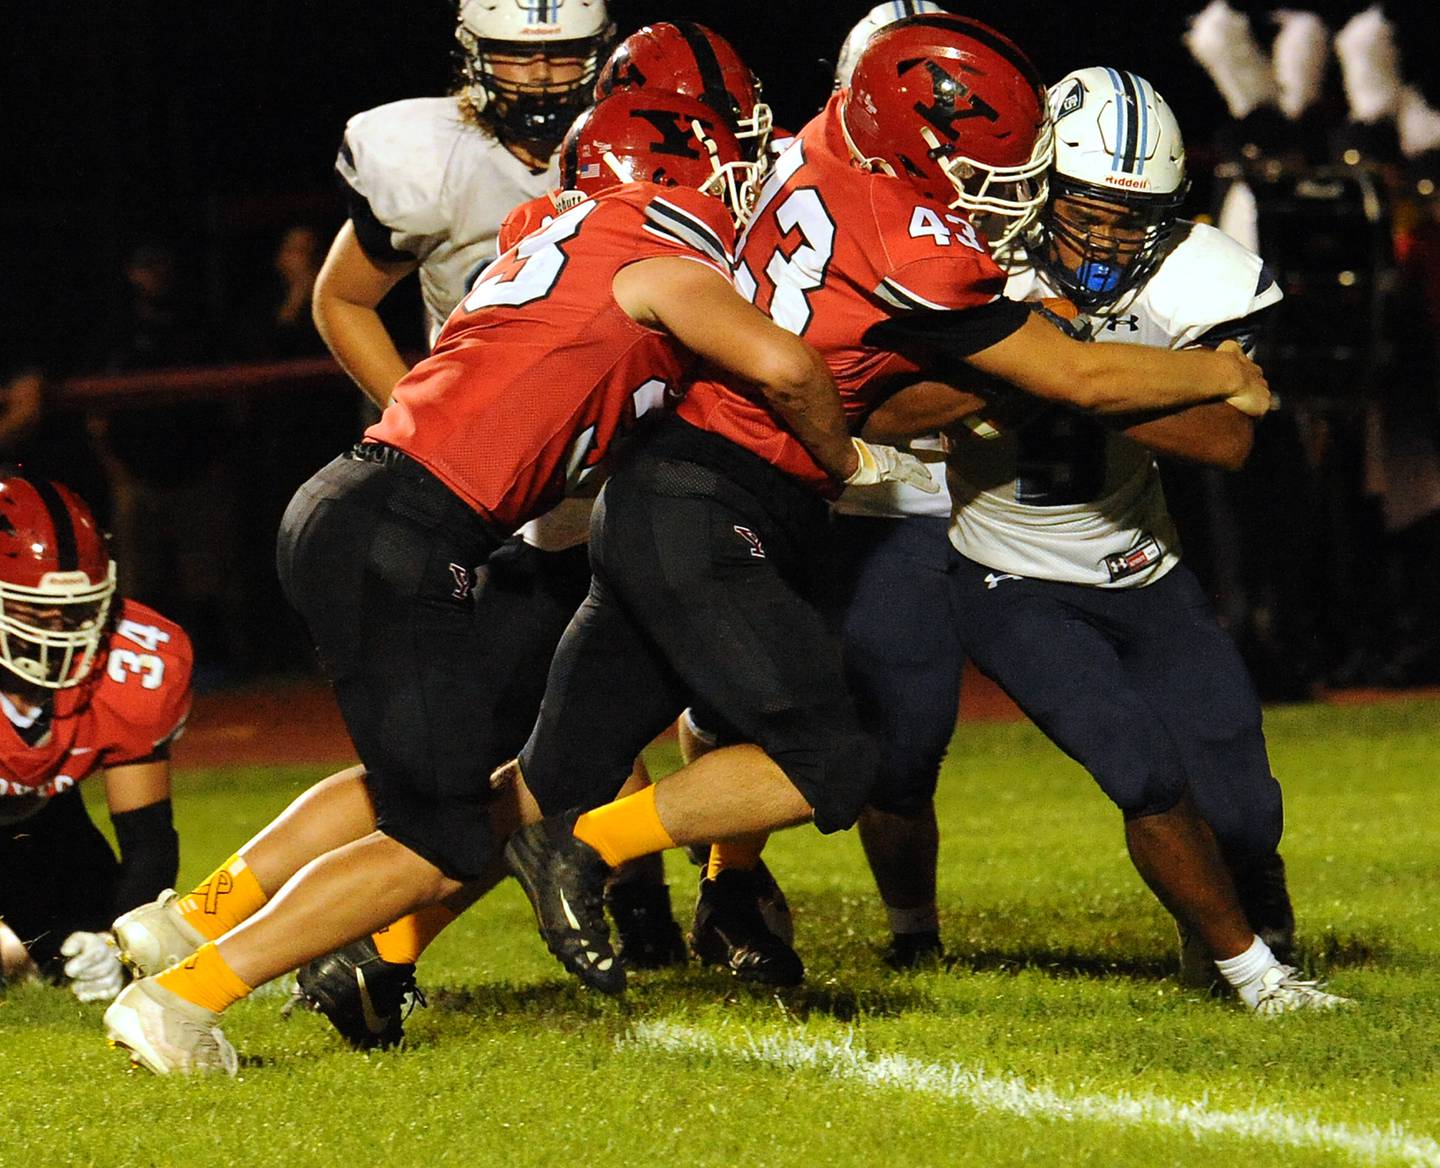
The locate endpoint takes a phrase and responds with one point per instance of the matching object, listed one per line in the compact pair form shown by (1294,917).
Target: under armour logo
(949,92)
(464,582)
(1132,322)
(757,549)
(993,581)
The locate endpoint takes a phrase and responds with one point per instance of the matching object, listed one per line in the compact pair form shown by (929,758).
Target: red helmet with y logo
(684,57)
(653,136)
(957,110)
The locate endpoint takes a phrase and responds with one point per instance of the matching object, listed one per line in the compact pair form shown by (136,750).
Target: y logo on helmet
(949,92)
(674,129)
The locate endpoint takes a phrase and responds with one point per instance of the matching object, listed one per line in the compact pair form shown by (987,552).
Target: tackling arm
(699,308)
(1040,359)
(347,291)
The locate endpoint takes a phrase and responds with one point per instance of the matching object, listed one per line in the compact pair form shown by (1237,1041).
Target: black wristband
(149,854)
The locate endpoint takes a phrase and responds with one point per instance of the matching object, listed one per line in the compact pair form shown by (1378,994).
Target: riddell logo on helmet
(1125,180)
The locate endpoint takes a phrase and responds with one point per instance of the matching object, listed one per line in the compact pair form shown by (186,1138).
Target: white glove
(94,968)
(885,464)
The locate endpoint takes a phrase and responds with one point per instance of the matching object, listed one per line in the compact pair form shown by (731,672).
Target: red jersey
(830,252)
(525,218)
(136,700)
(538,369)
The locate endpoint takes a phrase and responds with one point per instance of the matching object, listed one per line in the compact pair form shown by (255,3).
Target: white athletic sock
(925,919)
(1244,970)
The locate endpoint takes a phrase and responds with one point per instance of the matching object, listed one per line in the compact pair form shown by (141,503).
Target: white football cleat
(155,936)
(1283,991)
(166,1034)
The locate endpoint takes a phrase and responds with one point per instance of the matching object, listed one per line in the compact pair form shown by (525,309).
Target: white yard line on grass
(988,1091)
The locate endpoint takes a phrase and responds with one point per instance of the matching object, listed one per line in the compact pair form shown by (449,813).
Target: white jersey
(427,185)
(431,187)
(1063,497)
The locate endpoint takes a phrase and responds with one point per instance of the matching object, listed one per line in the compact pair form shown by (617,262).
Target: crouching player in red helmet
(88,686)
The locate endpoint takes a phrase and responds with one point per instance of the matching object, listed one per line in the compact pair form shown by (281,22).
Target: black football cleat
(1265,898)
(646,935)
(730,931)
(914,950)
(565,880)
(365,997)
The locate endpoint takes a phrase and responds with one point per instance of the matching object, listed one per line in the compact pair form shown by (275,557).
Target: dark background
(214,125)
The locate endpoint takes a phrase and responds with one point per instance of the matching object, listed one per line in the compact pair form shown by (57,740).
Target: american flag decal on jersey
(670,222)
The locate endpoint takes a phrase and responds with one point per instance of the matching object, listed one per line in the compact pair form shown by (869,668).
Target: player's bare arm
(1214,434)
(1040,359)
(136,785)
(925,407)
(698,306)
(348,290)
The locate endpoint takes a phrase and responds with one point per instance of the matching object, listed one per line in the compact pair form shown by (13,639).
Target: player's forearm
(362,346)
(803,395)
(927,407)
(1213,434)
(1123,378)
(149,854)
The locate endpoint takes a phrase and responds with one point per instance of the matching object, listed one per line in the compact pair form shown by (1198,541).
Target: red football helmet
(685,57)
(653,136)
(956,109)
(56,582)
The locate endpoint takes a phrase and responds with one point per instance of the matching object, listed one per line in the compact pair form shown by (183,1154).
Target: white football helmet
(1117,185)
(501,38)
(868,25)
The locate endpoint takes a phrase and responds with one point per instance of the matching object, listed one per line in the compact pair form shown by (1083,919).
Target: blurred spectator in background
(281,325)
(290,433)
(22,407)
(173,497)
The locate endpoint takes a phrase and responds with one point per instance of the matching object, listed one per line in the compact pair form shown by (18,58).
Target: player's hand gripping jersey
(134,702)
(832,253)
(539,351)
(1065,497)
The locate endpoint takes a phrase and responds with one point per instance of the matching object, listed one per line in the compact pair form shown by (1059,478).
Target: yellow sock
(743,854)
(626,829)
(205,979)
(225,898)
(404,941)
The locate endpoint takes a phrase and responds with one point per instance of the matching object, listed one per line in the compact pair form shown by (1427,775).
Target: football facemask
(531,64)
(1116,188)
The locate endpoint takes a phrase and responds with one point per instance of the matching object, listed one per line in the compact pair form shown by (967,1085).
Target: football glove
(94,968)
(885,464)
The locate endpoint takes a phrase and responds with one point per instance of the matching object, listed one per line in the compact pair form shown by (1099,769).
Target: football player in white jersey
(430,179)
(1064,569)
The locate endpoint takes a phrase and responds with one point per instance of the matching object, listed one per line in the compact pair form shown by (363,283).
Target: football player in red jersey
(559,348)
(88,686)
(871,239)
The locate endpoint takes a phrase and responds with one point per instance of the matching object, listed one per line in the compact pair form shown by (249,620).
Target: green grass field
(1057,1037)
